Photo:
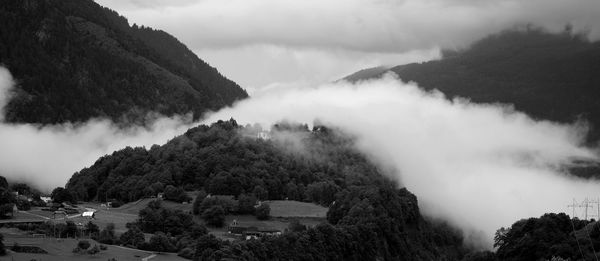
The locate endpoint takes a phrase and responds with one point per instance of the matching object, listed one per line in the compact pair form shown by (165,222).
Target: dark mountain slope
(74,60)
(548,76)
(366,73)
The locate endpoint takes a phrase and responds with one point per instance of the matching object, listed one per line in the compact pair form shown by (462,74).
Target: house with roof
(89,214)
(251,232)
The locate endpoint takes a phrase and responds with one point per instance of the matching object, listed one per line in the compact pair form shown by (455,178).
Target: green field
(282,212)
(61,249)
(135,207)
(291,208)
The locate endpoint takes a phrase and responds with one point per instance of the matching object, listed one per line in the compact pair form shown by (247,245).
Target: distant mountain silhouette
(548,76)
(74,60)
(367,73)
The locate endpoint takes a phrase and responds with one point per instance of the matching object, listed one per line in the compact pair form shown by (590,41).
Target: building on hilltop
(263,135)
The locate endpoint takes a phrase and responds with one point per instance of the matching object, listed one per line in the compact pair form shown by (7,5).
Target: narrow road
(36,215)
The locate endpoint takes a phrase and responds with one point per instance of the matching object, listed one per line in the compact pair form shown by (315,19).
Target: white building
(263,135)
(88,214)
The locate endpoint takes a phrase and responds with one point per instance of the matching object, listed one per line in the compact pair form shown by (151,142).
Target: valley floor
(282,212)
(61,249)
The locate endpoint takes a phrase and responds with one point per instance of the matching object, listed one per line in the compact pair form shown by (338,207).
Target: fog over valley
(300,130)
(480,166)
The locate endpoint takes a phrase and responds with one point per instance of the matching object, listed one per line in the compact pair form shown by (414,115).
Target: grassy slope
(291,208)
(282,212)
(61,249)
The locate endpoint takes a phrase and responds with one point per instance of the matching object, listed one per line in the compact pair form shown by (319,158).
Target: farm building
(89,214)
(250,232)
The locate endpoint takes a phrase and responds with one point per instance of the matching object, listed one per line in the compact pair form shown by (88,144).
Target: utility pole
(585,205)
(585,201)
(595,202)
(573,206)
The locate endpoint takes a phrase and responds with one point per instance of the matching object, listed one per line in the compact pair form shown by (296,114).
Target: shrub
(160,243)
(83,244)
(133,236)
(116,203)
(263,211)
(296,226)
(175,194)
(198,201)
(227,204)
(186,253)
(107,235)
(23,205)
(27,249)
(246,204)
(94,250)
(214,216)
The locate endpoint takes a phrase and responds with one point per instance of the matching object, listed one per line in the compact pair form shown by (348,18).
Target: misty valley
(237,130)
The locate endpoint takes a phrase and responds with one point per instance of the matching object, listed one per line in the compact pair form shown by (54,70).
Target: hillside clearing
(292,208)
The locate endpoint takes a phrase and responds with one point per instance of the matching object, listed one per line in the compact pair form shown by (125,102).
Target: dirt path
(148,257)
(35,215)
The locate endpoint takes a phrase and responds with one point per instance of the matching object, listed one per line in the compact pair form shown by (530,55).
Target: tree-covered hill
(548,76)
(549,236)
(370,218)
(74,60)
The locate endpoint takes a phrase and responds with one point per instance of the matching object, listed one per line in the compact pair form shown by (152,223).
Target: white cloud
(369,26)
(260,42)
(256,66)
(47,156)
(479,166)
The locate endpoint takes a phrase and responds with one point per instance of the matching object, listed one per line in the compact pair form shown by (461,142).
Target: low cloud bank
(47,156)
(479,166)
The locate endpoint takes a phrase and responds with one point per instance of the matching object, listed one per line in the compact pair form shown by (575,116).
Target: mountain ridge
(548,76)
(75,60)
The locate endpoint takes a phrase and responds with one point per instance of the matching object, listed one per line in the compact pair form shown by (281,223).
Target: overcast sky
(260,43)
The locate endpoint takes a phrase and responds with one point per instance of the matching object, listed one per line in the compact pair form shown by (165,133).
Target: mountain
(369,217)
(548,76)
(75,60)
(368,73)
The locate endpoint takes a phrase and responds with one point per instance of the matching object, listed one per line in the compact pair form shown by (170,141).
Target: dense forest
(549,236)
(74,60)
(369,217)
(228,159)
(548,76)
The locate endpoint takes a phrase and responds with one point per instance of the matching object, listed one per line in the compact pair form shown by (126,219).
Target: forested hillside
(551,235)
(74,60)
(369,216)
(548,76)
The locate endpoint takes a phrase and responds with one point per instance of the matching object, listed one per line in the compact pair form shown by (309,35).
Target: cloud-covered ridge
(479,166)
